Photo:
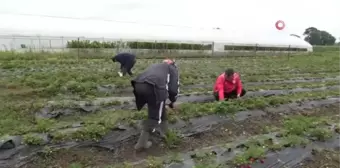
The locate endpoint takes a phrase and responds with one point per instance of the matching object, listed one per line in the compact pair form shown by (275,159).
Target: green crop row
(98,124)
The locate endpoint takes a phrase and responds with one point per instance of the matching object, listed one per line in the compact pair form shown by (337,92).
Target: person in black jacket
(127,61)
(152,87)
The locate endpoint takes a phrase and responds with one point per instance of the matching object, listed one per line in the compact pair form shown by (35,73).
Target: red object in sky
(280,25)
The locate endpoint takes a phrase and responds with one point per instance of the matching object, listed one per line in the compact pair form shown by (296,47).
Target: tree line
(315,36)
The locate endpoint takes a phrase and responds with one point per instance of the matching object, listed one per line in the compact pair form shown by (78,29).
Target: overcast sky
(242,16)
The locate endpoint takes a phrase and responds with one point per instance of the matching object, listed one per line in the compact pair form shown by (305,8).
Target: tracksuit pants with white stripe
(145,94)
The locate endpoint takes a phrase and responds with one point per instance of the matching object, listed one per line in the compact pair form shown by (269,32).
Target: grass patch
(321,134)
(172,140)
(247,157)
(32,139)
(153,162)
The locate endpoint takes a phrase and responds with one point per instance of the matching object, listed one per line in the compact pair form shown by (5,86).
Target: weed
(44,125)
(153,162)
(255,152)
(32,139)
(293,140)
(226,107)
(321,134)
(299,124)
(204,158)
(172,139)
(75,165)
(92,131)
(58,137)
(175,158)
(124,165)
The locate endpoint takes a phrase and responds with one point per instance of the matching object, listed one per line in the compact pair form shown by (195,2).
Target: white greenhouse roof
(141,32)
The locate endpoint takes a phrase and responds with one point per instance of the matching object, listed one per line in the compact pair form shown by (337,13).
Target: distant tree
(23,45)
(310,30)
(318,37)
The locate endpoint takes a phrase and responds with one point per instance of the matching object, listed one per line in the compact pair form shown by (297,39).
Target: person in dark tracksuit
(152,87)
(127,61)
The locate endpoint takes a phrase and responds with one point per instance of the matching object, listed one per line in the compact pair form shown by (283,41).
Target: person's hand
(120,74)
(238,95)
(171,105)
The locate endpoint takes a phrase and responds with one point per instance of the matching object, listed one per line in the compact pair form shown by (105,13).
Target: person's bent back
(228,85)
(127,61)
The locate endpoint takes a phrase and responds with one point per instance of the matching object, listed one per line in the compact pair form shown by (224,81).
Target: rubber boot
(163,129)
(143,141)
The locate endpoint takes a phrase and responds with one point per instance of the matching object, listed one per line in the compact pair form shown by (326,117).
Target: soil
(97,158)
(323,159)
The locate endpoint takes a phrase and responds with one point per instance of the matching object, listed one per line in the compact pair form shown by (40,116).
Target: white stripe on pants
(160,112)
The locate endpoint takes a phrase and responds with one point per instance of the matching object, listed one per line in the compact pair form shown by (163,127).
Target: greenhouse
(56,32)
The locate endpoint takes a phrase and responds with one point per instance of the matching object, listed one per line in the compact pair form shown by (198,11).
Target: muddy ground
(99,157)
(322,159)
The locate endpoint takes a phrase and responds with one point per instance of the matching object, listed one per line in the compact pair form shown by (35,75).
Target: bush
(90,44)
(257,48)
(169,46)
(326,48)
(137,45)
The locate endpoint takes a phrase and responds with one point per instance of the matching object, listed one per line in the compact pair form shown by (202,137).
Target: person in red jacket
(228,85)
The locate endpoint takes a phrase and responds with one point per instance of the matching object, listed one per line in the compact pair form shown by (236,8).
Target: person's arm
(173,84)
(220,87)
(239,86)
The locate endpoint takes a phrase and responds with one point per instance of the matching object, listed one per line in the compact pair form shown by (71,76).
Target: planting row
(256,66)
(267,65)
(124,134)
(55,109)
(249,86)
(20,117)
(49,86)
(283,147)
(93,126)
(54,76)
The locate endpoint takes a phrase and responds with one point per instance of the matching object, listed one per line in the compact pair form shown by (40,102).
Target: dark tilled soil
(98,158)
(323,159)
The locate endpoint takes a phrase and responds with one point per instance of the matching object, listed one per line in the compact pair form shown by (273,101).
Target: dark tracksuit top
(162,82)
(126,60)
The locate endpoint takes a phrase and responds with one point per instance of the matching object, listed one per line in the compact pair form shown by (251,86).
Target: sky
(242,17)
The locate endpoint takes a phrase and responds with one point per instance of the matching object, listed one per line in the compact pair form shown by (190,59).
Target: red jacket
(225,86)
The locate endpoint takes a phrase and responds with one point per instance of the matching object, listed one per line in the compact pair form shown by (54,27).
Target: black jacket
(125,59)
(164,77)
